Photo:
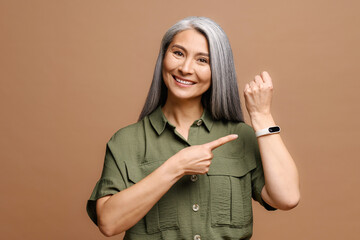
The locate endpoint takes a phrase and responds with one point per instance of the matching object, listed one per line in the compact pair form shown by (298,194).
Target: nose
(186,67)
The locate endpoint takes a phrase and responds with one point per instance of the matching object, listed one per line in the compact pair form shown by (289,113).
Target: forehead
(191,40)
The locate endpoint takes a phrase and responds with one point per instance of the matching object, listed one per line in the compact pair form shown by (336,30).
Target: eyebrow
(181,47)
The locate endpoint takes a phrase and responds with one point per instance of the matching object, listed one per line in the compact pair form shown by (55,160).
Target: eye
(203,60)
(178,53)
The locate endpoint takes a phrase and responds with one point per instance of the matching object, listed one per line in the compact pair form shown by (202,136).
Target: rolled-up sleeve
(111,182)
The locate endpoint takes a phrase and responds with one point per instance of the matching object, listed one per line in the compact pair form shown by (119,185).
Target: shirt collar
(207,118)
(159,121)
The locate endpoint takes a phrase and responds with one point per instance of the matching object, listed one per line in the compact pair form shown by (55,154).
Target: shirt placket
(195,204)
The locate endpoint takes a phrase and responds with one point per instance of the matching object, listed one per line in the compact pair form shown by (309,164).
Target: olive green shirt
(216,205)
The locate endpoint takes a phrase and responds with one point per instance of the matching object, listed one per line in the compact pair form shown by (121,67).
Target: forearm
(281,176)
(124,209)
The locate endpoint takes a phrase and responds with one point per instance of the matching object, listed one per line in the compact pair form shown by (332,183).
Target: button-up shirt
(216,205)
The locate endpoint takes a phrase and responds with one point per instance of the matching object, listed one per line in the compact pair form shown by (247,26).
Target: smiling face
(186,66)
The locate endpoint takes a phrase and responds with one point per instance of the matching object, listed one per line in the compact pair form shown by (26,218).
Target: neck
(182,113)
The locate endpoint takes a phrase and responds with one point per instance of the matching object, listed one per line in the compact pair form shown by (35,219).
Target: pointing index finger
(221,141)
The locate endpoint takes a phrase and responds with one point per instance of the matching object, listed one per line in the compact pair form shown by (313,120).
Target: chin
(184,97)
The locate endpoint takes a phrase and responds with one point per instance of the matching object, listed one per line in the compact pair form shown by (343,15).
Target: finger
(258,80)
(253,85)
(247,88)
(221,141)
(267,79)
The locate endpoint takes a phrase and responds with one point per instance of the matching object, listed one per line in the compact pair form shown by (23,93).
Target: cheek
(205,74)
(169,63)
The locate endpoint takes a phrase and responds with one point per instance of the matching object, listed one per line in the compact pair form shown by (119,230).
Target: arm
(281,188)
(121,211)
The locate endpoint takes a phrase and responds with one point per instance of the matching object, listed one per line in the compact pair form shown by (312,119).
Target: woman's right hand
(197,159)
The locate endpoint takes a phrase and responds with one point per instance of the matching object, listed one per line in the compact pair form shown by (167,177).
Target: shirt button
(196,207)
(197,237)
(194,178)
(199,122)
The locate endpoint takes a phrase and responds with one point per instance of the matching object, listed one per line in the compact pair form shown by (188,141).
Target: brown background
(74,72)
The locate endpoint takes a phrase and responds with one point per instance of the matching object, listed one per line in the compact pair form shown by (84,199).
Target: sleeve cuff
(102,188)
(259,199)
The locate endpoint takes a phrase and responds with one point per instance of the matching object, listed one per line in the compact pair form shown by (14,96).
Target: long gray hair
(222,98)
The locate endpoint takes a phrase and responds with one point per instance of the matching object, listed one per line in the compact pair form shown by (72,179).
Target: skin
(187,59)
(281,188)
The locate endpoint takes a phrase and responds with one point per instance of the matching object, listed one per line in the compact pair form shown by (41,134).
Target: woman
(190,166)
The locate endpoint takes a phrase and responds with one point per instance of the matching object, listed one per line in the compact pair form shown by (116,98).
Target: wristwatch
(267,131)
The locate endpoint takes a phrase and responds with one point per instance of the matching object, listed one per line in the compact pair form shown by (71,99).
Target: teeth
(184,82)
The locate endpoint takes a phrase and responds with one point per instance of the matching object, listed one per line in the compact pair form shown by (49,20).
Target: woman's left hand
(258,95)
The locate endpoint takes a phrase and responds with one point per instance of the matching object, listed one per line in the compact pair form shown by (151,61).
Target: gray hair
(222,98)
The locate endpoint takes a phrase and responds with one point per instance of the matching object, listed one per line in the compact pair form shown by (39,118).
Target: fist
(258,95)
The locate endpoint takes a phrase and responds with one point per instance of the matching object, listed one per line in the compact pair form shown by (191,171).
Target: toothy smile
(182,81)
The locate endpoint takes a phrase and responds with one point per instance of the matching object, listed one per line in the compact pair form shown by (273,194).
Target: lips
(183,81)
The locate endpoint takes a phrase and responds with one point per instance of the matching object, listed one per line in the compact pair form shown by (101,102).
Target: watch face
(274,129)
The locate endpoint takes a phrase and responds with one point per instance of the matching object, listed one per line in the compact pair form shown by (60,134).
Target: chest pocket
(230,192)
(164,214)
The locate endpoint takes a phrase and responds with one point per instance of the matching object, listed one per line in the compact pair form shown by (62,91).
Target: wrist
(173,168)
(260,121)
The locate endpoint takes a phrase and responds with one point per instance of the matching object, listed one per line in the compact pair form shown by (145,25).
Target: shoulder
(240,128)
(128,142)
(128,135)
(245,132)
